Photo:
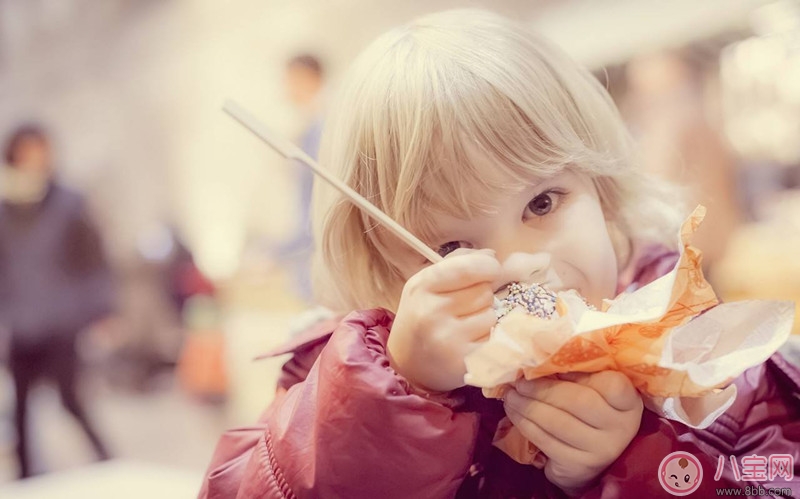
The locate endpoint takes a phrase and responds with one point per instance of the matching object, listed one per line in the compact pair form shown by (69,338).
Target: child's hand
(582,422)
(444,310)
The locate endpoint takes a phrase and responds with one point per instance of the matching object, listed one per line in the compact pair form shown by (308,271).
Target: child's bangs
(484,149)
(465,136)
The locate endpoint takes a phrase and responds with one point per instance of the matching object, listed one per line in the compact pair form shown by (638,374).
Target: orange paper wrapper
(681,362)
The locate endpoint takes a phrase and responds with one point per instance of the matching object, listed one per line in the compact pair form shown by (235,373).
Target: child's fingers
(459,272)
(580,401)
(469,301)
(476,327)
(617,389)
(558,423)
(613,386)
(553,448)
(582,378)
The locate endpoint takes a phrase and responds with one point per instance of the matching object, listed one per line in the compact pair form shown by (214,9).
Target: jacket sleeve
(352,428)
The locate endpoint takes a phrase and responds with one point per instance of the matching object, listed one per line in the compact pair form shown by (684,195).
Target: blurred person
(155,289)
(186,280)
(304,80)
(678,143)
(54,280)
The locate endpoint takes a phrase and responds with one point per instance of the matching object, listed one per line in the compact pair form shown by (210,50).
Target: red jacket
(344,424)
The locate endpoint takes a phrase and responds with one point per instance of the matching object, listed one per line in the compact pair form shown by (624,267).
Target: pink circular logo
(680,473)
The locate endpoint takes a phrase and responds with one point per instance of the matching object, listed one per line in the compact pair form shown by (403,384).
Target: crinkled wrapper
(680,348)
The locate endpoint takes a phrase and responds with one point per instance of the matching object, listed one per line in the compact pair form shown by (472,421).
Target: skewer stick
(291,151)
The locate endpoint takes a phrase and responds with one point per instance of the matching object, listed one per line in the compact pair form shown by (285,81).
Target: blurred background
(200,230)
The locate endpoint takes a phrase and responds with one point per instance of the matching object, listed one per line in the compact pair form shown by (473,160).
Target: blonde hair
(424,93)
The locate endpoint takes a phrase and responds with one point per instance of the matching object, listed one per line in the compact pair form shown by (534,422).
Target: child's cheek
(585,245)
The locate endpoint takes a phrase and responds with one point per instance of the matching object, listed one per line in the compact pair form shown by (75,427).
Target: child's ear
(623,246)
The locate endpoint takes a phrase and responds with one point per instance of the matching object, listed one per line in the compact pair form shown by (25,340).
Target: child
(490,145)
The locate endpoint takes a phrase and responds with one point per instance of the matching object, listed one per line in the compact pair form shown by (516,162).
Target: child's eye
(451,246)
(543,204)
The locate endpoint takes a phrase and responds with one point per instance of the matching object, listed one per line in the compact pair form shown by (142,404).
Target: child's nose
(529,268)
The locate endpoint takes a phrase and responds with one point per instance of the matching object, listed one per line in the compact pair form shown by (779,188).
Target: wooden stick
(291,151)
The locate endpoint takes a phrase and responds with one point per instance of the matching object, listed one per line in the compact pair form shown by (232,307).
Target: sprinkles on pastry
(534,298)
